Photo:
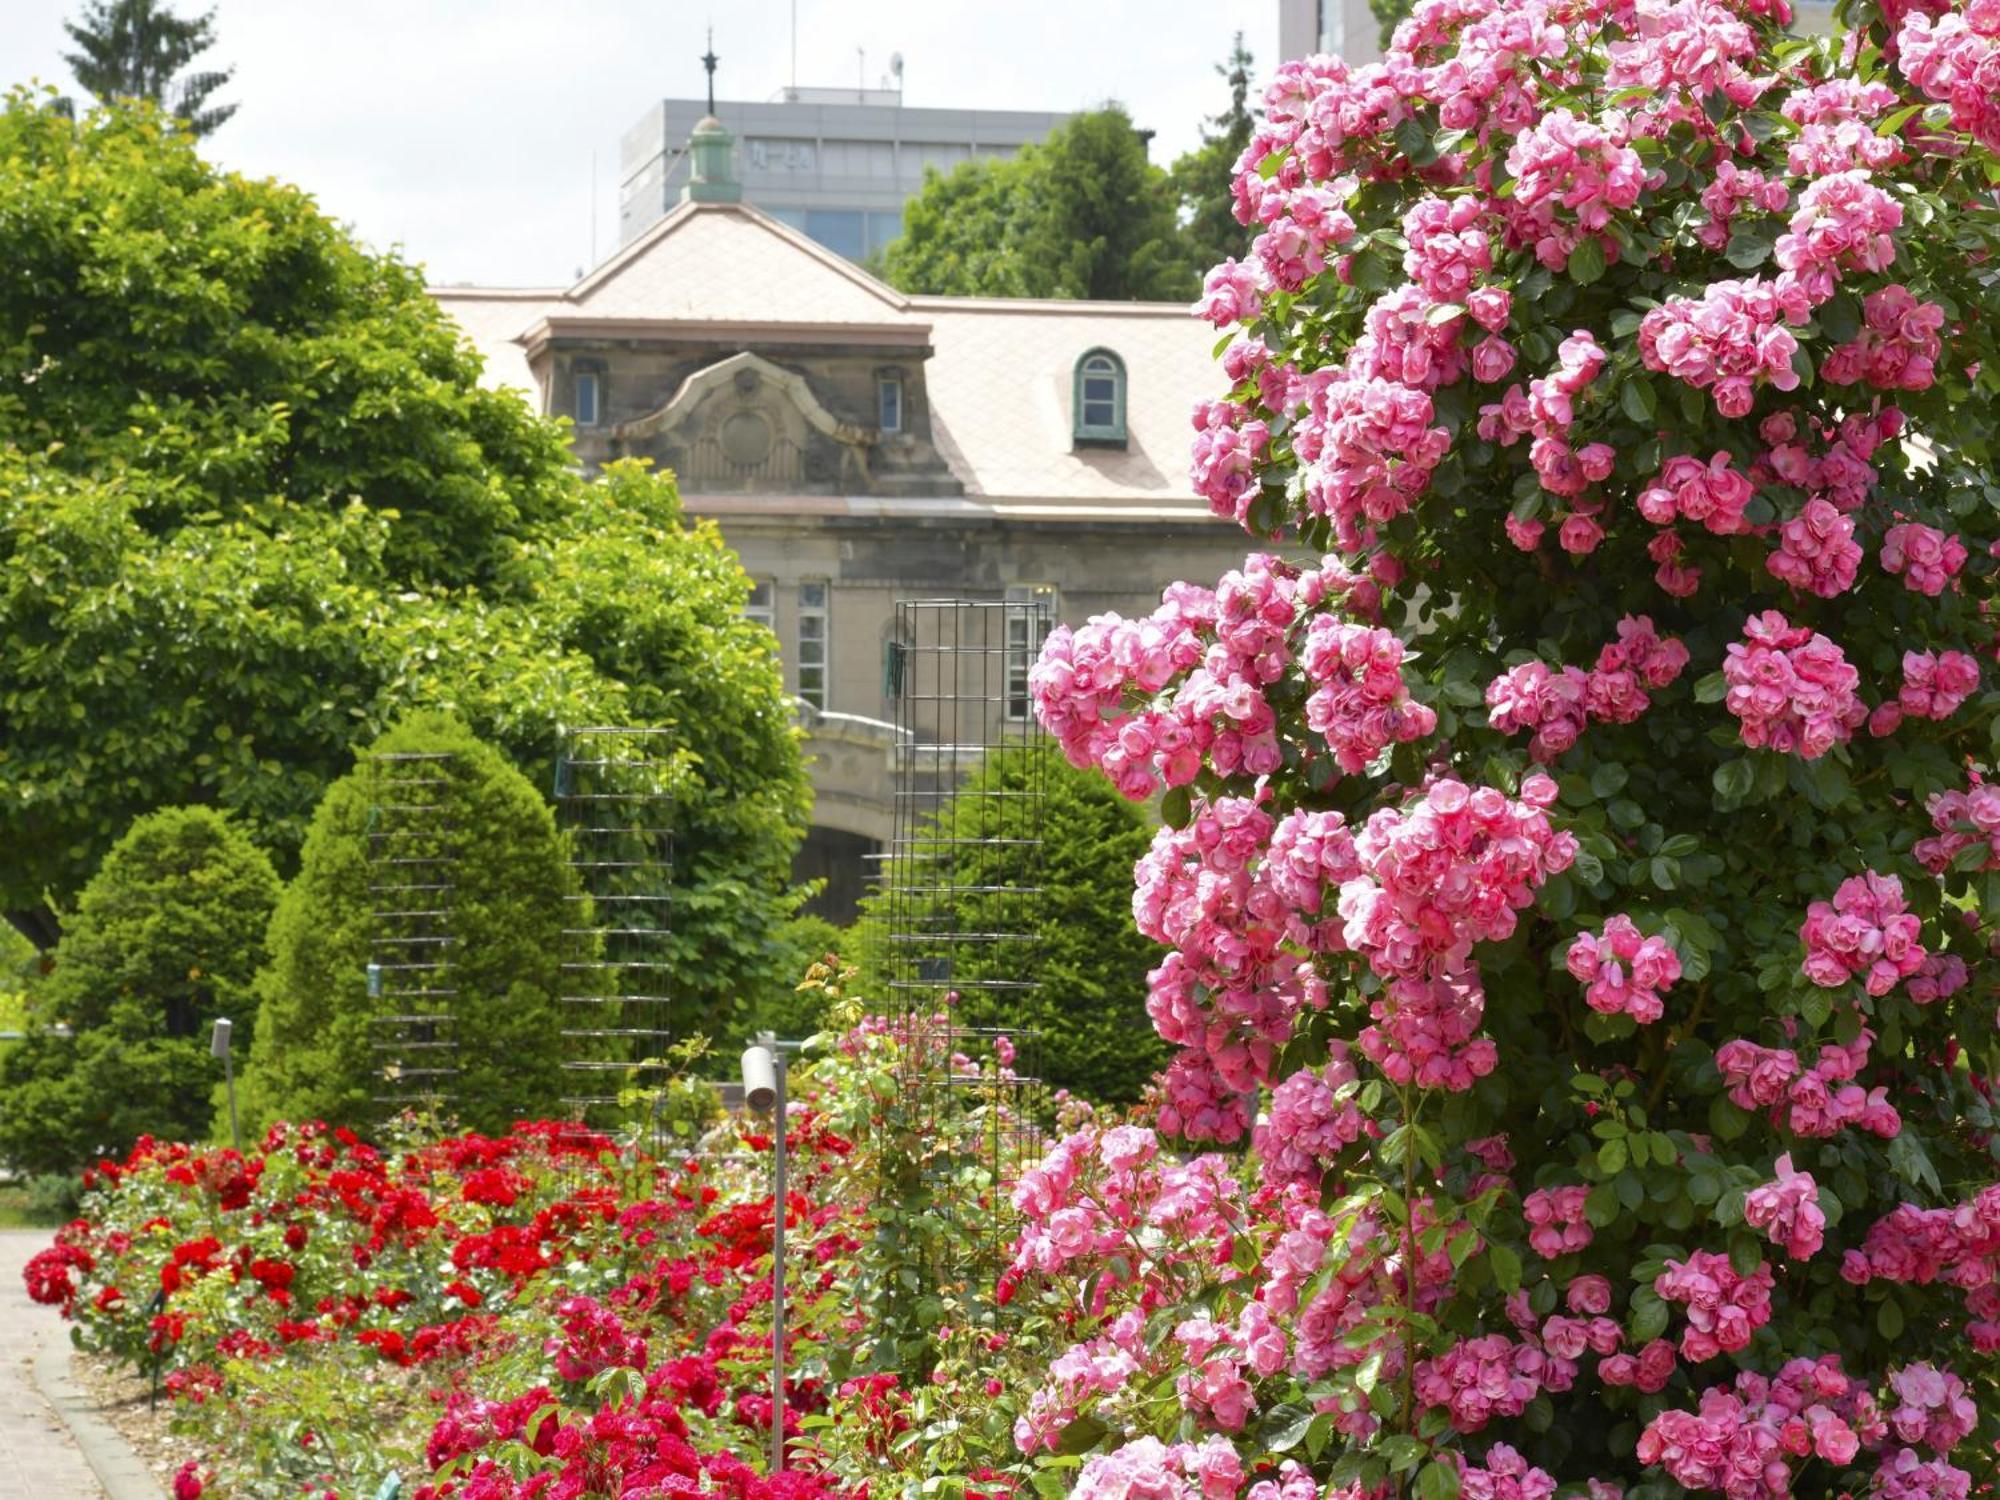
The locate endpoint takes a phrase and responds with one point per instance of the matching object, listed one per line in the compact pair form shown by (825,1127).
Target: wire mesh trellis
(412,856)
(963,881)
(613,802)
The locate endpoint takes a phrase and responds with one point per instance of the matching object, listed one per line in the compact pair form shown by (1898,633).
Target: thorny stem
(1680,1034)
(1409,1270)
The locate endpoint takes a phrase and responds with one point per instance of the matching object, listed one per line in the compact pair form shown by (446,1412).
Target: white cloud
(464,131)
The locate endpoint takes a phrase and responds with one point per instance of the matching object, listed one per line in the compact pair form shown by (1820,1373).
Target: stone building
(859,446)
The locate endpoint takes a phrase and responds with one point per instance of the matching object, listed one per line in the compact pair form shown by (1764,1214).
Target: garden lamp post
(764,1090)
(218,1046)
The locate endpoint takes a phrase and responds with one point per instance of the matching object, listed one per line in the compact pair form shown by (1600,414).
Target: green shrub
(314,1054)
(1086,1025)
(168,935)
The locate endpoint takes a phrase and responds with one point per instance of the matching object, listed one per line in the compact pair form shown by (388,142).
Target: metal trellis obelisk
(964,890)
(412,856)
(613,802)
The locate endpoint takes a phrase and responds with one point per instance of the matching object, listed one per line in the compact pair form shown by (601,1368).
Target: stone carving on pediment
(746,424)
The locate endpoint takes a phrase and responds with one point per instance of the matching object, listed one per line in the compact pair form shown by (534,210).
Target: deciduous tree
(255,505)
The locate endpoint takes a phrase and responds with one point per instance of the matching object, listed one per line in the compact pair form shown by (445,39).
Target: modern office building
(1346,28)
(837,164)
(860,447)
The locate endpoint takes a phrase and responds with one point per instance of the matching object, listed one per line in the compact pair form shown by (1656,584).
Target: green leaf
(1506,1266)
(1726,1120)
(1402,1451)
(1609,778)
(1611,1158)
(1649,1319)
(1711,689)
(1292,1433)
(1444,312)
(1745,1255)
(1734,779)
(1437,1481)
(1636,398)
(1081,1435)
(1600,1207)
(1177,807)
(1748,249)
(1586,262)
(1889,1318)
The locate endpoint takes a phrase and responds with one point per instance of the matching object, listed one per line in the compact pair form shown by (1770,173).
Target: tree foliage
(1085,1027)
(139,49)
(1082,214)
(1203,179)
(315,1053)
(167,936)
(254,505)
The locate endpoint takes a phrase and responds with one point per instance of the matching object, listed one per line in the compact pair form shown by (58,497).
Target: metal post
(778,1266)
(219,1046)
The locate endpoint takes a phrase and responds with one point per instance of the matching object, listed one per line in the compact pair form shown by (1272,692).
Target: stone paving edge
(121,1472)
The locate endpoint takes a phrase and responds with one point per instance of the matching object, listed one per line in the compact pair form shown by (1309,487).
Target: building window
(842,230)
(761,604)
(1031,614)
(812,655)
(889,401)
(586,398)
(1099,405)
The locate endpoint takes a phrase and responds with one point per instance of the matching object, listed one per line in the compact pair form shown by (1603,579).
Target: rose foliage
(1577,875)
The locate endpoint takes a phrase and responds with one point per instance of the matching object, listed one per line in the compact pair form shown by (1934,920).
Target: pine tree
(136,49)
(1201,178)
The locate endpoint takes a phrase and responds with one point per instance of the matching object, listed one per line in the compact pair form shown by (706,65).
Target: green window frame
(1097,399)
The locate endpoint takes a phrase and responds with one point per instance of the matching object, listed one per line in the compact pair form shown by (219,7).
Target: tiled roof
(1000,377)
(1000,384)
(493,320)
(718,263)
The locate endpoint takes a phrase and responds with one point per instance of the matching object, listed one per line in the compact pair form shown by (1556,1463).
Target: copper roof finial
(708,61)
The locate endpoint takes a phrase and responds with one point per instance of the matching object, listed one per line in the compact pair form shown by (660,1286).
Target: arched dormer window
(1097,407)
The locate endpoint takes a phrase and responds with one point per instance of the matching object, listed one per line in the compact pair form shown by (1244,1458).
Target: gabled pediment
(745,423)
(714,263)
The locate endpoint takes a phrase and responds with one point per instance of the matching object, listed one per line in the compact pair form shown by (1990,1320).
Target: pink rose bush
(1580,832)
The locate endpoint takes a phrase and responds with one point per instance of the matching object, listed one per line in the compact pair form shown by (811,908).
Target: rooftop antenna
(795,46)
(708,61)
(860,70)
(896,69)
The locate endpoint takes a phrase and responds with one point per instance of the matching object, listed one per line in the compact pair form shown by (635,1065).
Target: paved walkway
(37,1459)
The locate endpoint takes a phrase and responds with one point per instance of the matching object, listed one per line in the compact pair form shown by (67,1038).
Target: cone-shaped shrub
(167,936)
(500,861)
(1042,854)
(1579,886)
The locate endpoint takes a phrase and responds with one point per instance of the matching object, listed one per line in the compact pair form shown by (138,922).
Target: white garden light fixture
(764,1064)
(218,1046)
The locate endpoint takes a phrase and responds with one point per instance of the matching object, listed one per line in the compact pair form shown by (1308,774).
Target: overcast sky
(465,131)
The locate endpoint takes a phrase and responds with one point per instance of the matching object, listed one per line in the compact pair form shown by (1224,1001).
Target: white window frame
(813,659)
(764,609)
(889,392)
(1024,646)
